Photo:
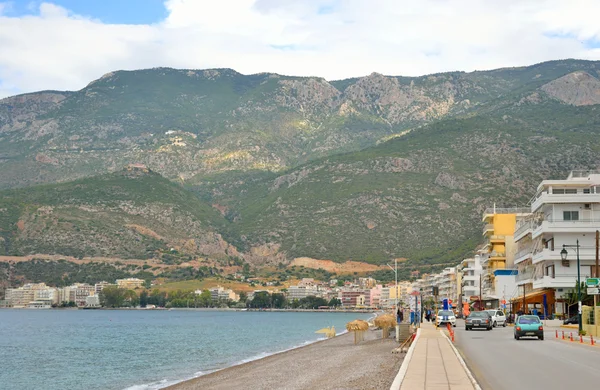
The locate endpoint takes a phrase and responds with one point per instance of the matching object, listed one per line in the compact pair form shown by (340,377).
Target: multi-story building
(446,282)
(130,283)
(499,248)
(98,287)
(471,276)
(564,212)
(21,296)
(375,295)
(384,300)
(47,295)
(298,292)
(79,292)
(349,297)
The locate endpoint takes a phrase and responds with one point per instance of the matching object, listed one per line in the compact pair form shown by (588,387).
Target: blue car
(529,326)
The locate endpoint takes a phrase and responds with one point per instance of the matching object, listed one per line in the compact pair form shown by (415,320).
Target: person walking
(399,316)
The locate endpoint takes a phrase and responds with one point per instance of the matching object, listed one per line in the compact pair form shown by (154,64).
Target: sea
(144,349)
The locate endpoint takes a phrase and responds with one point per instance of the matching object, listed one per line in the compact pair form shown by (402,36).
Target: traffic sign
(593,291)
(592,282)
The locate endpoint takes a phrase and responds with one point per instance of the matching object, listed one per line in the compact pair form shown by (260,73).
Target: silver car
(498,317)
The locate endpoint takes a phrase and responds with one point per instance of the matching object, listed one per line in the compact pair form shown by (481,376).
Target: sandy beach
(331,364)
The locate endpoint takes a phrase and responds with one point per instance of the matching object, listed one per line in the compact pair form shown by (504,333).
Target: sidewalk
(434,364)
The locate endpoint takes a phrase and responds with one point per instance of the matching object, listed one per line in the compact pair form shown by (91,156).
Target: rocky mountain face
(365,169)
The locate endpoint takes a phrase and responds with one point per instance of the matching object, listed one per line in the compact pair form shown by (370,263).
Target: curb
(404,367)
(462,363)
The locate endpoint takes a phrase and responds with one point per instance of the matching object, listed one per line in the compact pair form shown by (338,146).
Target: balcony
(524,254)
(488,229)
(496,239)
(554,225)
(506,210)
(522,230)
(562,281)
(497,256)
(547,198)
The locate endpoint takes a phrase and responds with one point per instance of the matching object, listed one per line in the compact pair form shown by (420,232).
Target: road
(498,361)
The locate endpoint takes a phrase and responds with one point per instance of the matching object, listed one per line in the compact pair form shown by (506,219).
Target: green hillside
(266,167)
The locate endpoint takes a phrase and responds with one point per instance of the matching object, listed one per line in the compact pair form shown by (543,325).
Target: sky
(65,44)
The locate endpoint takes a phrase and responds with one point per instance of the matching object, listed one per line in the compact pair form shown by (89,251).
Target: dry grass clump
(355,325)
(385,321)
(358,327)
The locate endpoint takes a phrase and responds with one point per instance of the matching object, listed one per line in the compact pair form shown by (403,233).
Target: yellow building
(499,246)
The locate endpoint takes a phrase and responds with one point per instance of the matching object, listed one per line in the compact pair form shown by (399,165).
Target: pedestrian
(399,316)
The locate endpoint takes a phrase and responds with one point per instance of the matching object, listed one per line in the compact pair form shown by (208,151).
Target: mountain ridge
(302,167)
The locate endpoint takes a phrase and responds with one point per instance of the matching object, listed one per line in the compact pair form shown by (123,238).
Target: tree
(112,296)
(144,298)
(243,296)
(334,302)
(312,302)
(205,299)
(261,299)
(278,301)
(572,298)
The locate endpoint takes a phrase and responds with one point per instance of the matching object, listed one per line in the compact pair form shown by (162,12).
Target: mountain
(365,169)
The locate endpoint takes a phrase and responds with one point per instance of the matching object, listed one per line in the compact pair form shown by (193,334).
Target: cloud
(53,48)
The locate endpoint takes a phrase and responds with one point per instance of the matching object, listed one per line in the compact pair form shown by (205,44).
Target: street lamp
(395,269)
(563,256)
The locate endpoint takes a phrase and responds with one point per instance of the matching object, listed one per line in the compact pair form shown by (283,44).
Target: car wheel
(466,328)
(495,324)
(504,324)
(517,338)
(541,337)
(490,328)
(454,325)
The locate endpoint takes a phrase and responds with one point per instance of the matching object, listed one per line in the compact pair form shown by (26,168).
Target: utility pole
(597,274)
(524,311)
(480,288)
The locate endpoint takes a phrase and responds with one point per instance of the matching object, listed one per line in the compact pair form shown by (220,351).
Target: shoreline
(323,364)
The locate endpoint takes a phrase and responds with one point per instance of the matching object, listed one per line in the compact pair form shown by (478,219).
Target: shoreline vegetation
(335,363)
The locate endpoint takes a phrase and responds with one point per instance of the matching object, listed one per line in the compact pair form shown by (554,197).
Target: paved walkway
(434,365)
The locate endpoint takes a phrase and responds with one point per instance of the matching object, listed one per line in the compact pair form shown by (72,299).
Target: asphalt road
(498,361)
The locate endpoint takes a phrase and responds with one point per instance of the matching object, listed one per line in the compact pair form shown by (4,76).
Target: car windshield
(492,312)
(445,313)
(528,320)
(479,314)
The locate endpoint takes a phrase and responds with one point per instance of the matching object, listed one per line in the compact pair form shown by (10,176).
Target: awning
(533,294)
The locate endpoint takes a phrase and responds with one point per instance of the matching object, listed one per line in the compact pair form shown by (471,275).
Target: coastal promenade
(432,363)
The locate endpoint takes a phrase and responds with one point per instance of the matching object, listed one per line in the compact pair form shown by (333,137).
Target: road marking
(462,363)
(405,362)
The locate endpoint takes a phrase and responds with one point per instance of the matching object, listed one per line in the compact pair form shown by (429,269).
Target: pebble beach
(335,363)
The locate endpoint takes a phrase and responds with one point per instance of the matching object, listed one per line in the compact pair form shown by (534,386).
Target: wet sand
(331,364)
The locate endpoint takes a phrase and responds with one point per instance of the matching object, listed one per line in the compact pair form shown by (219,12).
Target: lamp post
(563,256)
(395,269)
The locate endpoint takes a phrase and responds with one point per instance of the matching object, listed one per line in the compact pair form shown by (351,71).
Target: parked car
(528,325)
(478,319)
(572,320)
(445,317)
(498,317)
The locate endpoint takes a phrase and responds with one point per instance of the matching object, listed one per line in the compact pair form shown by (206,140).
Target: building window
(550,271)
(570,191)
(587,191)
(571,215)
(558,191)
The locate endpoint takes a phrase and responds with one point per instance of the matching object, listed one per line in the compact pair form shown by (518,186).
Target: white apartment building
(447,283)
(130,283)
(21,296)
(471,273)
(48,295)
(302,291)
(564,212)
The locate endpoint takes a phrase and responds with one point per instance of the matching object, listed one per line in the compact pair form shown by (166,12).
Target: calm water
(142,349)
